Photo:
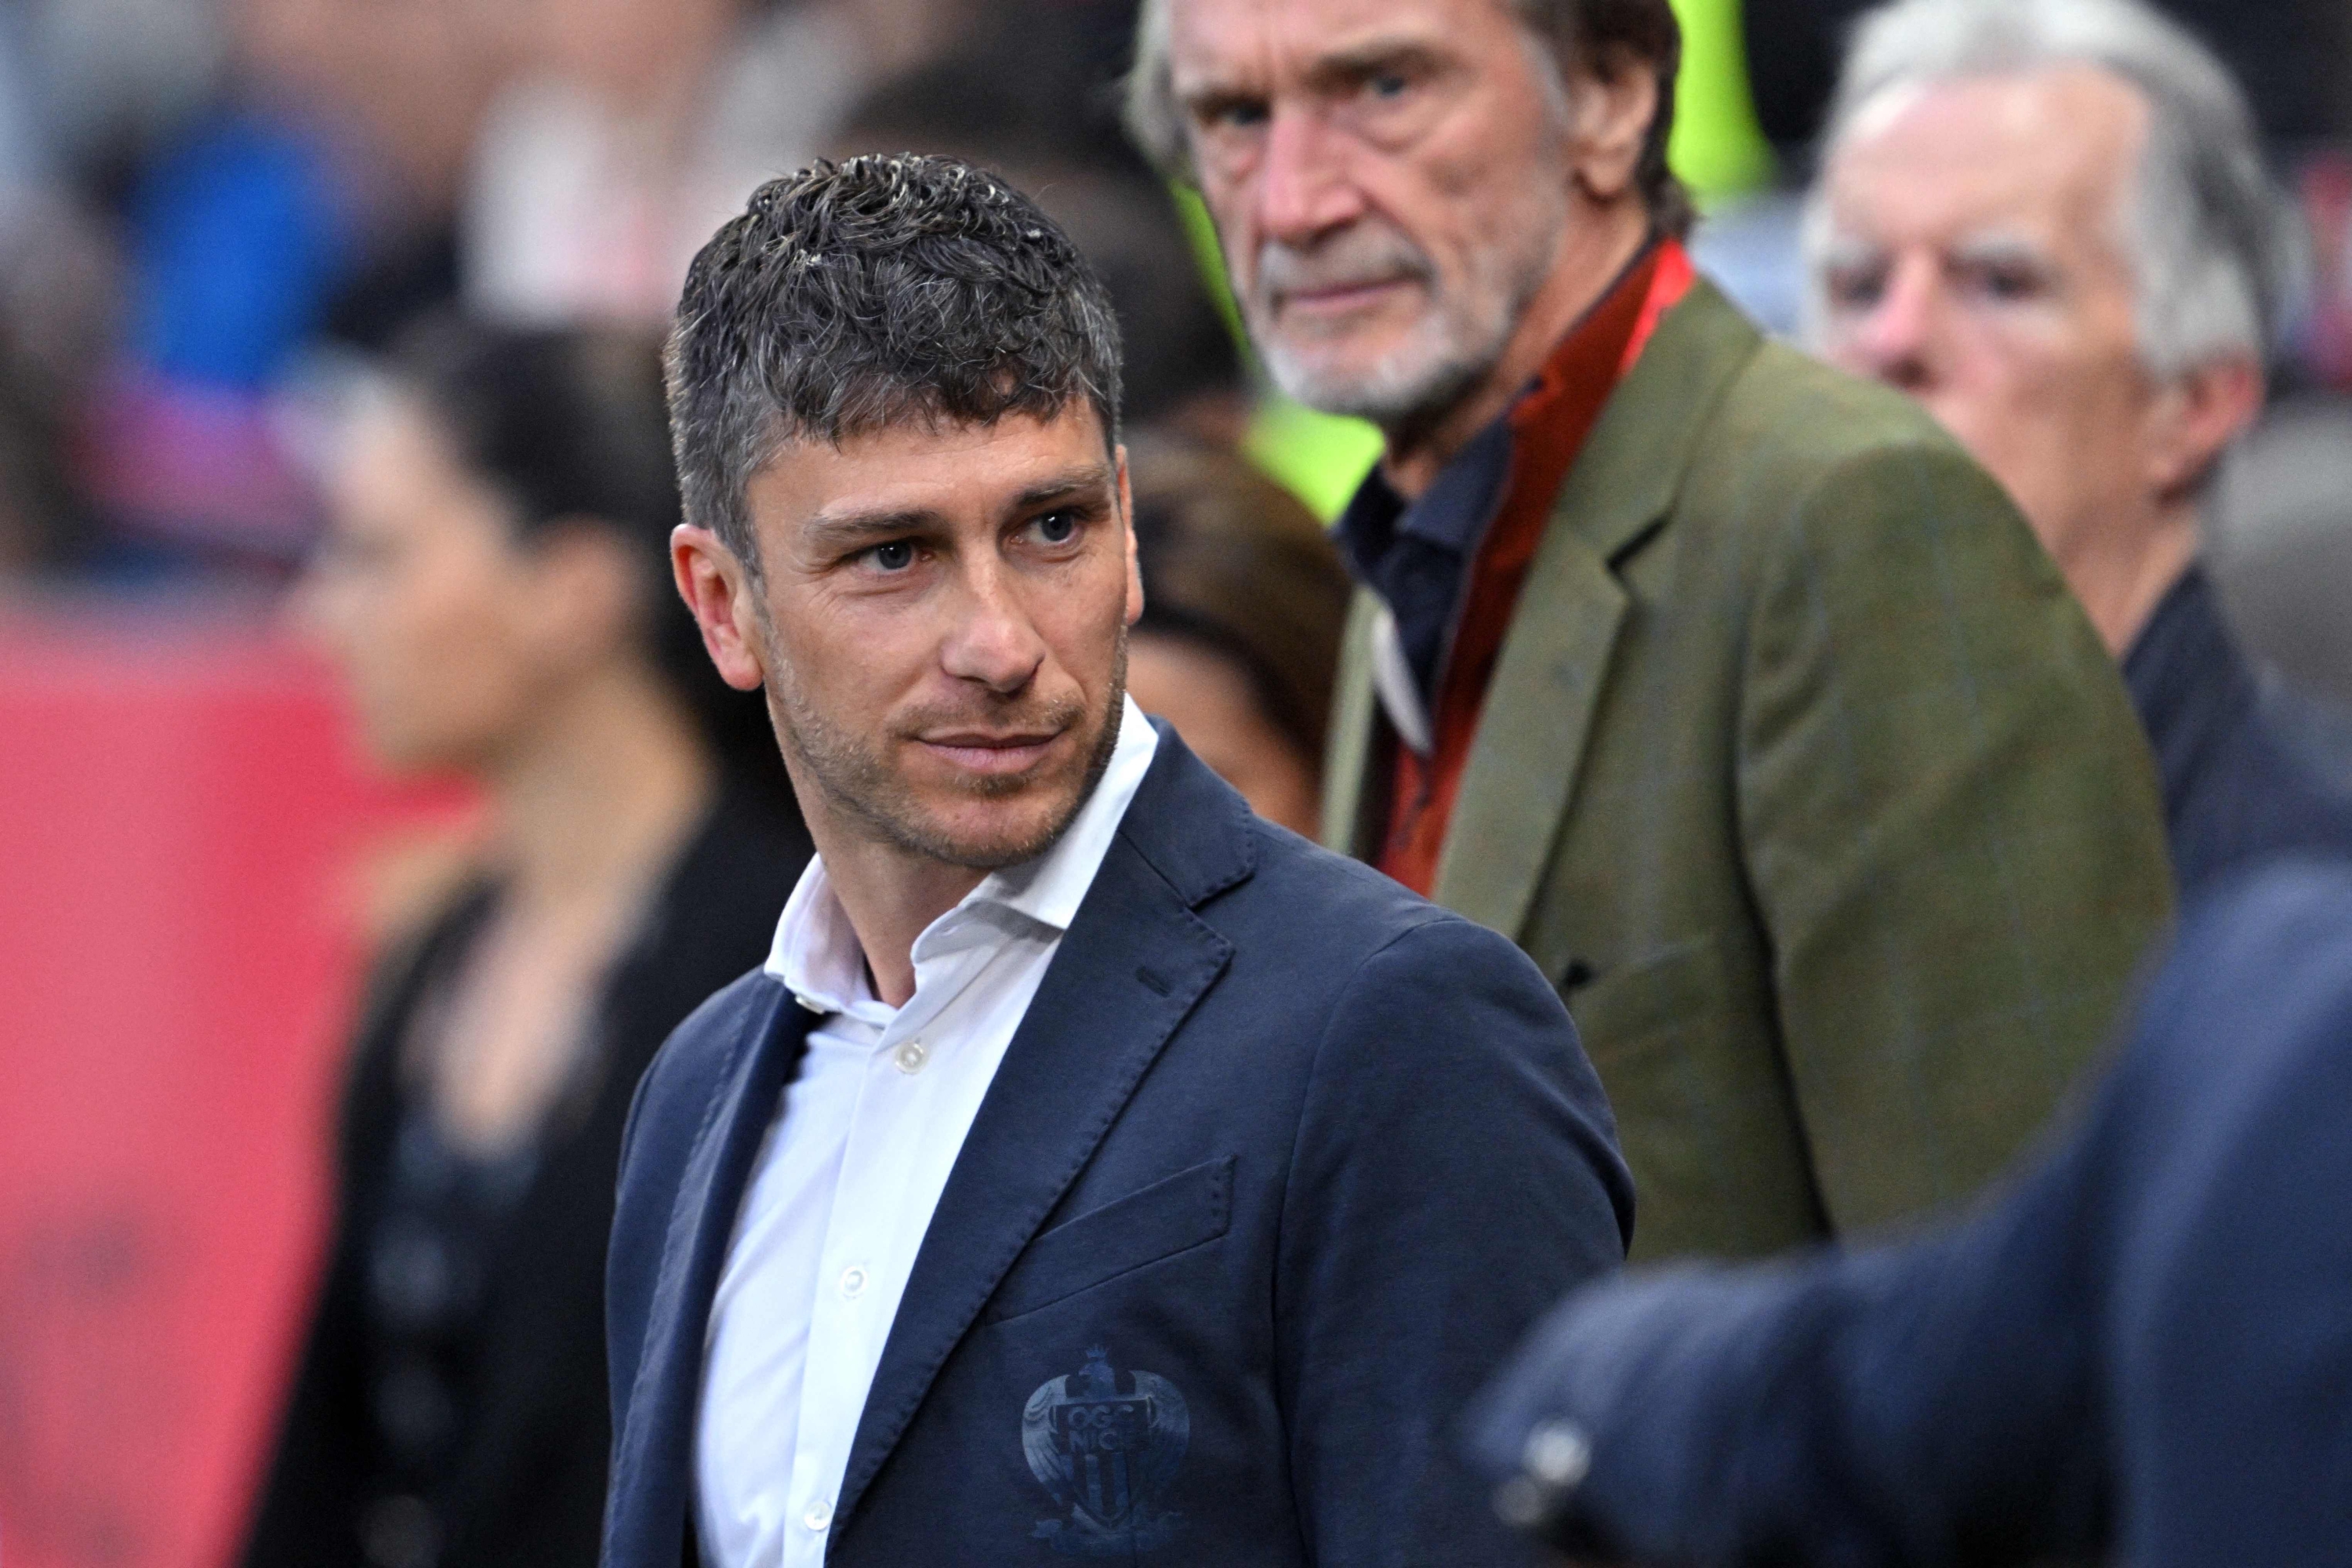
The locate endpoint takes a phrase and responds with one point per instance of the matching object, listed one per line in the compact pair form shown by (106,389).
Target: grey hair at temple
(2213,246)
(879,291)
(1611,34)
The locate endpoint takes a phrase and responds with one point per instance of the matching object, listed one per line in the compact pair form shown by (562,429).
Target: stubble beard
(856,776)
(1444,356)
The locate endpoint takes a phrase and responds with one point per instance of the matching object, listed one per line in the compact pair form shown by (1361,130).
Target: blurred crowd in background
(208,207)
(211,209)
(221,220)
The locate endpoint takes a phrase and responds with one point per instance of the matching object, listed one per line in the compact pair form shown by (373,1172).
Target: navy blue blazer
(1281,1160)
(2141,1352)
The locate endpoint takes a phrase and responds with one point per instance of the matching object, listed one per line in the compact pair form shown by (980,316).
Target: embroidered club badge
(1106,1444)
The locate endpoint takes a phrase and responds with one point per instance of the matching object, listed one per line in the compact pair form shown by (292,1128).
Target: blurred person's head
(1182,368)
(1416,199)
(635,53)
(899,35)
(1026,85)
(497,562)
(410,79)
(895,390)
(654,54)
(2049,221)
(1244,603)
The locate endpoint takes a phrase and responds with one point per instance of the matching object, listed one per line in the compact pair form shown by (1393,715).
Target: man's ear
(719,591)
(1611,104)
(2195,419)
(1134,556)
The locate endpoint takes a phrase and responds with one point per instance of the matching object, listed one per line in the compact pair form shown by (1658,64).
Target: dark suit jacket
(2246,762)
(529,1484)
(2141,1353)
(1803,775)
(1279,1160)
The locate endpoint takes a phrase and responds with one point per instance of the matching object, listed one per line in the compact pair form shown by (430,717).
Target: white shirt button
(852,1282)
(910,1056)
(820,1514)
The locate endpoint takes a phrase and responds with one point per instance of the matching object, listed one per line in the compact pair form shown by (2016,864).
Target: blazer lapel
(1134,961)
(1538,718)
(655,1448)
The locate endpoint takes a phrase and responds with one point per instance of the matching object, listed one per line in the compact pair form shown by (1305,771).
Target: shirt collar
(1452,513)
(816,952)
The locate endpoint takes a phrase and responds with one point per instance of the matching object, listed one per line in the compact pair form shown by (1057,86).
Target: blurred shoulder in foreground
(2142,1349)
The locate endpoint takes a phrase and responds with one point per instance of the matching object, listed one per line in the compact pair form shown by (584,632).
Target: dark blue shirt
(2251,769)
(1416,557)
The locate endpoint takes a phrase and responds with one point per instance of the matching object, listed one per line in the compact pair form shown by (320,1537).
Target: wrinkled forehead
(1261,46)
(2052,150)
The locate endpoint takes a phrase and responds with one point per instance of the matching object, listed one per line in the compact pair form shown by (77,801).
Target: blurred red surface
(182,822)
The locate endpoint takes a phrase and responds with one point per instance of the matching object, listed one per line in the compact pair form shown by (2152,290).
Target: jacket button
(1558,1455)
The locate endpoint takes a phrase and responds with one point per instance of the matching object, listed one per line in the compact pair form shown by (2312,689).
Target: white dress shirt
(851,1169)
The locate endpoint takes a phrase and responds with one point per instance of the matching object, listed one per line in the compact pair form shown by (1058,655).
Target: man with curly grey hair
(1093,1168)
(1729,687)
(2049,221)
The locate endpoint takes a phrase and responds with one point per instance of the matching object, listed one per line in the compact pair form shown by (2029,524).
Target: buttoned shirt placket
(910,1054)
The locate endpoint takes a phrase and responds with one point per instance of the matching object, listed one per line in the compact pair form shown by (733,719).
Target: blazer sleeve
(1455,1171)
(1933,1403)
(1950,825)
(2138,1350)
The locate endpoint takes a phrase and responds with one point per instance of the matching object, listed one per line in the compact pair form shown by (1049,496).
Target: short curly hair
(851,297)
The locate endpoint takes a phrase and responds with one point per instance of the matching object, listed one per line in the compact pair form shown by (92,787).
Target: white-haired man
(2048,220)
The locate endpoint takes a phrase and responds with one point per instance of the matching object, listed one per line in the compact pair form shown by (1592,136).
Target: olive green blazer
(1804,778)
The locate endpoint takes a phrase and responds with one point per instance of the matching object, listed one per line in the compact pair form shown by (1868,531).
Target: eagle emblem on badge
(1106,1444)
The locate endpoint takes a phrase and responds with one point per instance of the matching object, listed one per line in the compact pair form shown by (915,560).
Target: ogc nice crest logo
(1106,1444)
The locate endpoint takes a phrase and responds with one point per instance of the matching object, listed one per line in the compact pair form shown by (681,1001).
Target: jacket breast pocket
(1175,1214)
(1647,996)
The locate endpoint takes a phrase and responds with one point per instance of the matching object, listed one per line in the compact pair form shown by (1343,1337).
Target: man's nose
(996,643)
(1304,188)
(1896,340)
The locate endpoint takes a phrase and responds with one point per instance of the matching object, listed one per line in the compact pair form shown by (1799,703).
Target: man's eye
(1387,84)
(1856,289)
(1057,527)
(2011,282)
(1232,114)
(895,556)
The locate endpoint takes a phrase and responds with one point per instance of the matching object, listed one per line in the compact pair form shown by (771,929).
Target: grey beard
(1445,359)
(1387,399)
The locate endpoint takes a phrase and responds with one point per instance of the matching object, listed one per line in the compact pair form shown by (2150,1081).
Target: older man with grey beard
(1728,686)
(2048,221)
